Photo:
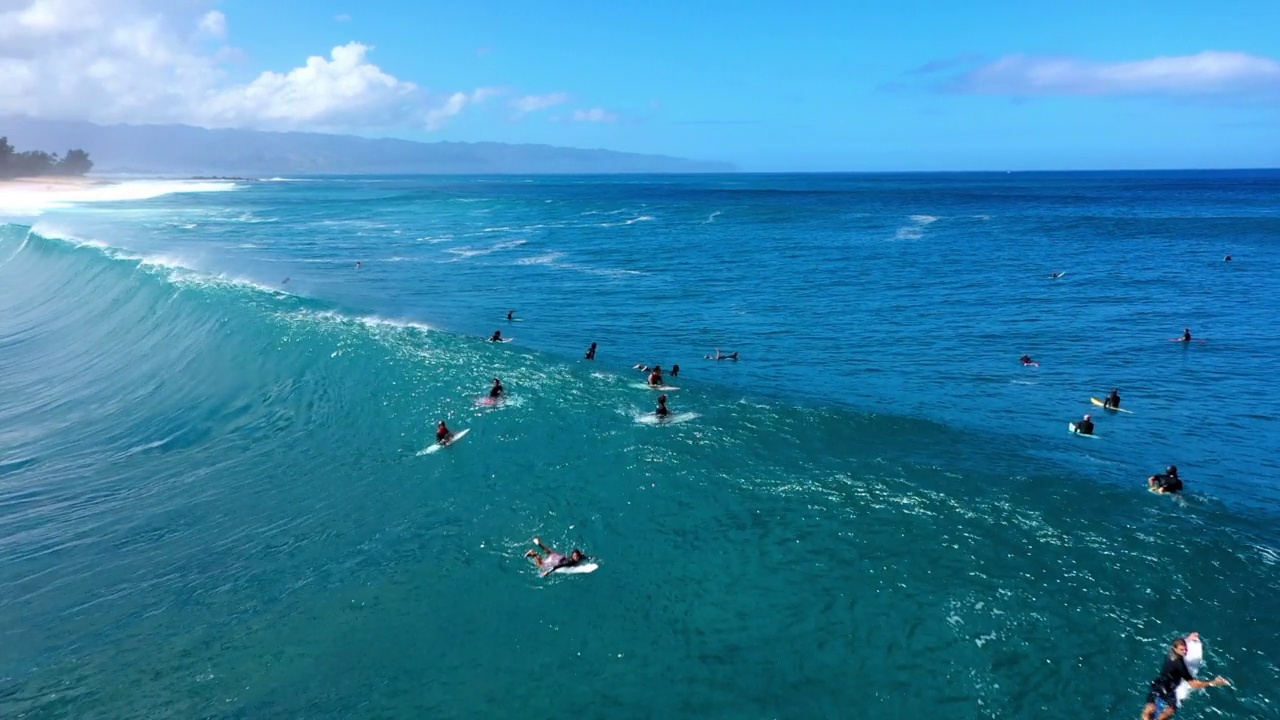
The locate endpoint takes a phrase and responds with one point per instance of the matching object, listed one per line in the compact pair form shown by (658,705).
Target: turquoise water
(213,501)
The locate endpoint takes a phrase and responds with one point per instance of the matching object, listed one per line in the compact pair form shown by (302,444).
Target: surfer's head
(662,398)
(576,555)
(1171,470)
(1180,646)
(1087,416)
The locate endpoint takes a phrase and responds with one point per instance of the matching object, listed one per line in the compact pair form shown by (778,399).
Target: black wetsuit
(591,353)
(496,391)
(662,410)
(1085,427)
(1164,688)
(1112,401)
(1169,483)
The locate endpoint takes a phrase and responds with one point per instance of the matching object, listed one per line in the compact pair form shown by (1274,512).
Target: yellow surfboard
(1103,404)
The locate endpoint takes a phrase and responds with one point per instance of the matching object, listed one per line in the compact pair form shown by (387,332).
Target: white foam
(31,198)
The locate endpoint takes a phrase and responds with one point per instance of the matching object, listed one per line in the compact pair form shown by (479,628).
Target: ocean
(215,501)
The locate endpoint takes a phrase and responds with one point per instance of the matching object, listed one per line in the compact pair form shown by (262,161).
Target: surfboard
(1072,427)
(437,447)
(1178,339)
(589,567)
(672,419)
(1031,364)
(1194,658)
(506,339)
(1055,277)
(1103,404)
(647,386)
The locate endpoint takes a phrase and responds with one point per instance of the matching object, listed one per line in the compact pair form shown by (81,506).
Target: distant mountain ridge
(183,149)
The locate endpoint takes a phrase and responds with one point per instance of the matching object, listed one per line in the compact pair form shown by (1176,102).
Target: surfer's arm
(1202,684)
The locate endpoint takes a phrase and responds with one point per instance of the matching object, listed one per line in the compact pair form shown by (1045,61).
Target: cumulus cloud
(1209,72)
(533,103)
(594,115)
(151,61)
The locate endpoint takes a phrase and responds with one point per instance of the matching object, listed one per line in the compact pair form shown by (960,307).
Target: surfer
(1226,259)
(1085,426)
(358,265)
(497,390)
(662,410)
(1168,482)
(591,352)
(1113,400)
(497,336)
(443,433)
(655,377)
(511,315)
(1057,275)
(722,356)
(554,560)
(1164,688)
(675,371)
(1186,334)
(1026,360)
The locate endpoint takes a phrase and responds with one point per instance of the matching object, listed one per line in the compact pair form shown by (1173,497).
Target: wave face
(213,501)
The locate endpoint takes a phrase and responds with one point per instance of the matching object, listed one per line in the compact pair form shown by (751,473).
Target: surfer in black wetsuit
(662,411)
(497,390)
(497,336)
(1026,360)
(511,315)
(1164,688)
(1226,259)
(1085,426)
(1113,400)
(1186,334)
(443,433)
(1168,482)
(675,371)
(723,356)
(1056,275)
(591,352)
(554,560)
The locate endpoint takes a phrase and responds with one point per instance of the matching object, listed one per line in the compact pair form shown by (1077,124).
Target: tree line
(34,163)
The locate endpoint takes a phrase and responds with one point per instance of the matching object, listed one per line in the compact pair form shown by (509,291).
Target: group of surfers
(1166,482)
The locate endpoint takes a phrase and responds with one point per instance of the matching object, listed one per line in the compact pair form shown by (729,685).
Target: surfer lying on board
(497,390)
(1026,360)
(1085,426)
(662,410)
(497,336)
(722,356)
(1057,275)
(1169,482)
(1165,687)
(443,433)
(1113,400)
(554,560)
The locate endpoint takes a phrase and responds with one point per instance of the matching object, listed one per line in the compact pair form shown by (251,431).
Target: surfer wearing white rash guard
(554,560)
(1164,688)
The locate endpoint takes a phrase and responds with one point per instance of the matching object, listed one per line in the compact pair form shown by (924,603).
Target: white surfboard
(647,386)
(576,569)
(437,447)
(1194,658)
(1072,427)
(672,419)
(506,339)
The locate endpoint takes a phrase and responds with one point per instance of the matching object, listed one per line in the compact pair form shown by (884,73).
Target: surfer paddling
(554,560)
(723,356)
(1167,482)
(1056,275)
(1164,689)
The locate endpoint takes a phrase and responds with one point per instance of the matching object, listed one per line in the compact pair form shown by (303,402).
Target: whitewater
(215,397)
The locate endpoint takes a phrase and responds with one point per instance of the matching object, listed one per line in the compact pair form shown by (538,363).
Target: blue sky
(814,86)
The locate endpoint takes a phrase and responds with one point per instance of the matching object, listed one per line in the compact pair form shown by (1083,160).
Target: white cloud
(533,103)
(1203,73)
(437,117)
(149,61)
(594,115)
(214,23)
